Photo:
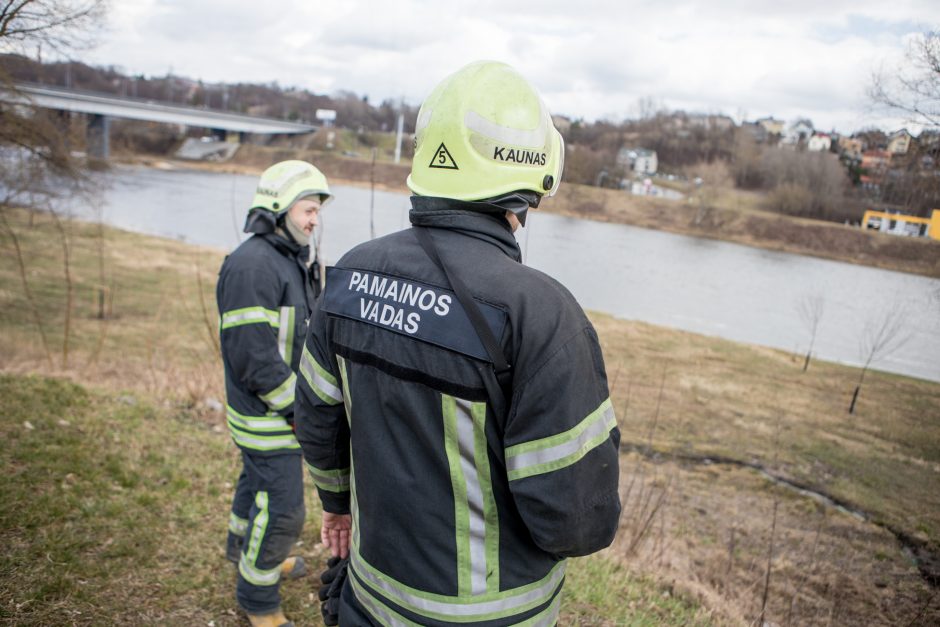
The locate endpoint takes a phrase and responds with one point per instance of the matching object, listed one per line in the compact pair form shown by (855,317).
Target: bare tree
(882,336)
(912,89)
(59,25)
(36,165)
(810,309)
(36,160)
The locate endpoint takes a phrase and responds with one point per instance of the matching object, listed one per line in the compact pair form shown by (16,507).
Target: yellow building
(900,224)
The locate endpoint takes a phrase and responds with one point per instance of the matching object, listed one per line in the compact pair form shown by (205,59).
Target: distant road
(136,109)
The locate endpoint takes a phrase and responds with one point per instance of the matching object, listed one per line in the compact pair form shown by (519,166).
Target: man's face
(513,221)
(304,214)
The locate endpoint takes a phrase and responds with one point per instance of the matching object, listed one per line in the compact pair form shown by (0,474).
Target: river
(706,286)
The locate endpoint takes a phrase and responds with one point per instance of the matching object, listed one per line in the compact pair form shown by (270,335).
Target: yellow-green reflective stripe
(257,576)
(474,462)
(250,315)
(379,611)
(320,381)
(490,513)
(282,396)
(285,334)
(489,606)
(332,480)
(256,423)
(459,486)
(264,443)
(547,617)
(387,616)
(237,525)
(551,453)
(246,566)
(347,396)
(353,504)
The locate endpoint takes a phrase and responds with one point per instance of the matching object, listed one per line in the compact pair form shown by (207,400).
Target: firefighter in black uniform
(456,484)
(266,290)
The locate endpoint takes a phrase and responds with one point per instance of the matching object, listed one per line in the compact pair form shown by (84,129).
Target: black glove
(333,579)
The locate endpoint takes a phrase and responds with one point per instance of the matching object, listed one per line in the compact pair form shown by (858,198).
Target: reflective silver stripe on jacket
(281,396)
(249,315)
(256,423)
(508,603)
(332,480)
(285,333)
(558,451)
(465,441)
(320,381)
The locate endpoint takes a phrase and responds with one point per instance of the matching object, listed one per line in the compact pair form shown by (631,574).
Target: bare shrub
(808,184)
(882,335)
(810,309)
(791,199)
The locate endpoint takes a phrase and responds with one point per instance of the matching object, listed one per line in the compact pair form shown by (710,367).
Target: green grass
(145,463)
(601,592)
(115,512)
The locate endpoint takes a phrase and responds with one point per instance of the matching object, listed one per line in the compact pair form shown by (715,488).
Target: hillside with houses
(788,167)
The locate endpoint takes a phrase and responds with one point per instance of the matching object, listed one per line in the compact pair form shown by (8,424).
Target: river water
(710,287)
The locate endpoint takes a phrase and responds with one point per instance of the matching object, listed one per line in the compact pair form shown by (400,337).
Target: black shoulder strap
(493,349)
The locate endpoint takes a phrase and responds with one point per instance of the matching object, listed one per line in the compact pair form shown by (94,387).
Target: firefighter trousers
(268,511)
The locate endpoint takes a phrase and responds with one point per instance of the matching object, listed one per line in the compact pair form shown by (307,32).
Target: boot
(293,568)
(272,619)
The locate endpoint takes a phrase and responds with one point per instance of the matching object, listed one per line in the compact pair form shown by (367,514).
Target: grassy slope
(120,515)
(718,398)
(115,512)
(756,405)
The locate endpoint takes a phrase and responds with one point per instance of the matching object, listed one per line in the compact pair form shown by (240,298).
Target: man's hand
(334,533)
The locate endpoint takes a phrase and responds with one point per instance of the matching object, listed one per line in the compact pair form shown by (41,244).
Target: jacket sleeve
(561,447)
(250,320)
(320,419)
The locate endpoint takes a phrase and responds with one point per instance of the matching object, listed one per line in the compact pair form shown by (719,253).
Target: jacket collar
(284,245)
(479,220)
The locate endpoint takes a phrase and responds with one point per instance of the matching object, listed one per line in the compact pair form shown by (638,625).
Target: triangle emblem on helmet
(442,159)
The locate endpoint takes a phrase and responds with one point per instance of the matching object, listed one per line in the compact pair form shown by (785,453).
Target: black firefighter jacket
(463,508)
(264,298)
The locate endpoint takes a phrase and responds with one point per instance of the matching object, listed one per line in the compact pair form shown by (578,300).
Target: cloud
(589,59)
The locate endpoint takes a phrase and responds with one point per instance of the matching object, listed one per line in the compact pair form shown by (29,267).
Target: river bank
(701,536)
(727,215)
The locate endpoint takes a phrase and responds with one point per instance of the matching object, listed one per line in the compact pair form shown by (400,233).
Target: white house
(639,160)
(899,142)
(798,131)
(819,142)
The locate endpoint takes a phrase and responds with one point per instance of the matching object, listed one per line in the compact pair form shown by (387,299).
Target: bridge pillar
(63,121)
(98,137)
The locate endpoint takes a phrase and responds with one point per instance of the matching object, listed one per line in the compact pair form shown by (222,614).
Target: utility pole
(401,126)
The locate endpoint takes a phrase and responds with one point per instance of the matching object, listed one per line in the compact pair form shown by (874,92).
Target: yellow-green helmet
(285,183)
(482,133)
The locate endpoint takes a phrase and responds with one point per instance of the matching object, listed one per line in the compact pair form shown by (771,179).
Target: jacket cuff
(334,502)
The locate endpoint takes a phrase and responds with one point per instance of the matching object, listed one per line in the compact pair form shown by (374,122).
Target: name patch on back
(428,313)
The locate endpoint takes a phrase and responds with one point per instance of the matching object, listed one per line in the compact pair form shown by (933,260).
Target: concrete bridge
(102,107)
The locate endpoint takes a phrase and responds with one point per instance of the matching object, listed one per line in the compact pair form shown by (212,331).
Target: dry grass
(711,540)
(711,533)
(687,529)
(118,490)
(157,339)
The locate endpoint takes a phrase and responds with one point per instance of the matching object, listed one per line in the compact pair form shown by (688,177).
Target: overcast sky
(747,59)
